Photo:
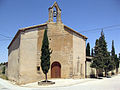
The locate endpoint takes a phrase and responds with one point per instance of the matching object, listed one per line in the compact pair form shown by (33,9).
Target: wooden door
(56,70)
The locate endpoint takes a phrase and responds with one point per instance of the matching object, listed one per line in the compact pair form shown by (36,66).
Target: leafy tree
(45,55)
(88,50)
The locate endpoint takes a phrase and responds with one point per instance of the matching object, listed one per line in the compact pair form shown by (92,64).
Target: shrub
(92,76)
(4,77)
(3,70)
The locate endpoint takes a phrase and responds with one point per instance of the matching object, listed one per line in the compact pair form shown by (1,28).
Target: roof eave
(76,32)
(23,29)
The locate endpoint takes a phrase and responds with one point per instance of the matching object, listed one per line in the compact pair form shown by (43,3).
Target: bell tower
(55,13)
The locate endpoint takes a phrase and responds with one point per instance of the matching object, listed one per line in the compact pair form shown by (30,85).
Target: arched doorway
(56,70)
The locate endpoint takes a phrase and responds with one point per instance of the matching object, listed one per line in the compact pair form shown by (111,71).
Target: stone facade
(67,45)
(13,60)
(90,72)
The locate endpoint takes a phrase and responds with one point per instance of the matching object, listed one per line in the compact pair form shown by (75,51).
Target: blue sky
(81,15)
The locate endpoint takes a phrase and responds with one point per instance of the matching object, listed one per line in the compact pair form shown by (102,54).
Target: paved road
(104,84)
(3,88)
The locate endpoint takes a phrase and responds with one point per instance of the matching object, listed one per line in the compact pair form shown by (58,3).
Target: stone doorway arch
(56,70)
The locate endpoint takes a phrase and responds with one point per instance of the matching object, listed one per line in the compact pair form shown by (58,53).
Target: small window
(38,68)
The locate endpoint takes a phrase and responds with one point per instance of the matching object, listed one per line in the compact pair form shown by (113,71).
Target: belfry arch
(52,13)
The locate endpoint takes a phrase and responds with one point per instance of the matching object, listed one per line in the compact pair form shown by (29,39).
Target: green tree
(119,56)
(92,53)
(101,59)
(113,56)
(45,55)
(1,63)
(110,63)
(96,63)
(119,61)
(113,49)
(116,63)
(88,50)
(3,70)
(104,55)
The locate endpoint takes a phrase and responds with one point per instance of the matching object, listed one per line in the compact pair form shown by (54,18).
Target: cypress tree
(104,55)
(96,63)
(45,55)
(113,49)
(119,56)
(116,63)
(113,56)
(92,53)
(109,63)
(3,70)
(101,59)
(88,50)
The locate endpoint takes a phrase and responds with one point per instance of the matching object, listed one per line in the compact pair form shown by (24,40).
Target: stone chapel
(67,59)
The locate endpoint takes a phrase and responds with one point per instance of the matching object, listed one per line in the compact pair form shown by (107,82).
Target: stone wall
(60,41)
(14,60)
(66,46)
(89,71)
(28,56)
(79,56)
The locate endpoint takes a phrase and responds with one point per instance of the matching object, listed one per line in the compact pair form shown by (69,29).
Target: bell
(54,14)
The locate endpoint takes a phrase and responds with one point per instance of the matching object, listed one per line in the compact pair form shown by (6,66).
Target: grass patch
(3,77)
